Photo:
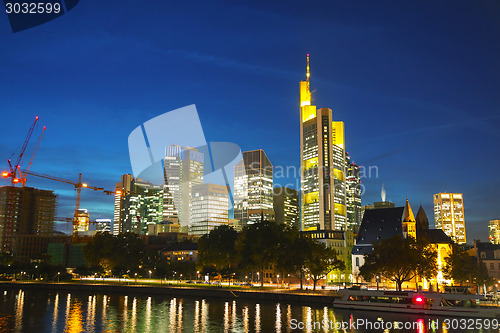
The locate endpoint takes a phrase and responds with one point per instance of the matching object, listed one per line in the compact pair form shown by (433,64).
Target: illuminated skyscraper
(123,188)
(183,168)
(449,215)
(353,195)
(171,184)
(323,166)
(253,188)
(494,231)
(137,204)
(210,208)
(286,206)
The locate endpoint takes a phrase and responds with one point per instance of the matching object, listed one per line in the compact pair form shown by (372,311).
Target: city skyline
(417,93)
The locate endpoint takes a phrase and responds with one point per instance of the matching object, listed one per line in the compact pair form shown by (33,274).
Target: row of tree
(266,246)
(401,260)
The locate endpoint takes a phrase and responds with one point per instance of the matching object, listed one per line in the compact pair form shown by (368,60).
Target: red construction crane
(13,175)
(13,169)
(23,176)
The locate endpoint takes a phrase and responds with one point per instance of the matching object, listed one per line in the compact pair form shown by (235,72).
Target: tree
(292,254)
(400,260)
(320,260)
(258,245)
(125,251)
(99,249)
(217,249)
(462,267)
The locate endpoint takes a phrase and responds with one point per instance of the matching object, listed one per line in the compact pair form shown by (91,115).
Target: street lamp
(135,277)
(278,281)
(58,274)
(150,274)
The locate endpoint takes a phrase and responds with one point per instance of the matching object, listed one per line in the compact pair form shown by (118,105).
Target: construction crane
(23,176)
(13,175)
(13,169)
(78,188)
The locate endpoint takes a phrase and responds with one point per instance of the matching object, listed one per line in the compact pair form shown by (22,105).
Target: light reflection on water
(44,311)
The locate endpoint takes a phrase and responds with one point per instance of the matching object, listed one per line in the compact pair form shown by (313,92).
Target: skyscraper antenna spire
(308,74)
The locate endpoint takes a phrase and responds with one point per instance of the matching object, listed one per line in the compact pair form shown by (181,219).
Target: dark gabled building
(377,224)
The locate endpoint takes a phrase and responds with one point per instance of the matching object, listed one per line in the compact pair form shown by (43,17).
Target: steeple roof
(408,213)
(422,220)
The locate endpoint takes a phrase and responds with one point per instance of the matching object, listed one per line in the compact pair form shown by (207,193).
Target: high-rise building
(24,211)
(286,206)
(142,207)
(353,195)
(210,208)
(253,188)
(183,169)
(171,186)
(138,203)
(494,231)
(123,188)
(449,215)
(323,171)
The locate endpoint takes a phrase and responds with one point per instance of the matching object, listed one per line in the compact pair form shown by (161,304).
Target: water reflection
(42,311)
(19,311)
(257,317)
(74,323)
(245,319)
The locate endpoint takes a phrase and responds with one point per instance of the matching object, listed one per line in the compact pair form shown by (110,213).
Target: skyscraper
(286,206)
(353,195)
(138,205)
(24,211)
(494,231)
(210,208)
(449,215)
(323,172)
(183,168)
(122,189)
(253,188)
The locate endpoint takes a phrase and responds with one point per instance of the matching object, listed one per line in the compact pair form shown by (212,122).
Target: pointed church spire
(408,213)
(409,223)
(422,220)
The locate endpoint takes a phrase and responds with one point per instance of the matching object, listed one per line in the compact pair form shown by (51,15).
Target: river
(48,311)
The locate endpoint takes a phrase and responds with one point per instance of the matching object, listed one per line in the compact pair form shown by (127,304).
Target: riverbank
(278,295)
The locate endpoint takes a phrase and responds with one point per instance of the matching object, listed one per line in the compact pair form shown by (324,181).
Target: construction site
(28,215)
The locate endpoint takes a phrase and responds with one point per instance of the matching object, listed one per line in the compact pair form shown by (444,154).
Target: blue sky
(415,83)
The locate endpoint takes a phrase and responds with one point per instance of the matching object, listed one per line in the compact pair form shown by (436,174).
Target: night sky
(417,85)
